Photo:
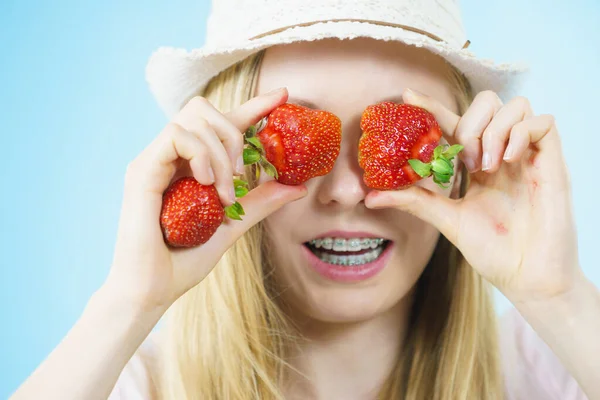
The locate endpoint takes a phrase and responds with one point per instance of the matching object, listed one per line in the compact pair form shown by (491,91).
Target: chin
(313,286)
(344,305)
(311,297)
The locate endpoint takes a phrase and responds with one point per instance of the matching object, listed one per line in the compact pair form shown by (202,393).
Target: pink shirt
(532,371)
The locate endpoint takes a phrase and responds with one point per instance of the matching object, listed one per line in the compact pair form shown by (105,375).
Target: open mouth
(347,252)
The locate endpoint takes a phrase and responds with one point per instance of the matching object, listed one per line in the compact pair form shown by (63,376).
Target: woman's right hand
(199,139)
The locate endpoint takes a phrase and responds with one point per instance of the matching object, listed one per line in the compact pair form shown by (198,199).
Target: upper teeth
(353,244)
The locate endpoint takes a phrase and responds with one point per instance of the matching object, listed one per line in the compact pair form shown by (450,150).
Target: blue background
(75,110)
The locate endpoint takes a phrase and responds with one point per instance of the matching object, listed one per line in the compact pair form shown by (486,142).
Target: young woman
(249,314)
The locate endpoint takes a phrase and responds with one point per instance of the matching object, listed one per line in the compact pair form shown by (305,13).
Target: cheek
(413,250)
(279,224)
(283,240)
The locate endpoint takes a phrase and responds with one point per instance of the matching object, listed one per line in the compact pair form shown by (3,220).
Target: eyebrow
(309,104)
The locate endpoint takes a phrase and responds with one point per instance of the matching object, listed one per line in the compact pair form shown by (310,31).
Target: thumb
(258,204)
(439,211)
(447,120)
(256,108)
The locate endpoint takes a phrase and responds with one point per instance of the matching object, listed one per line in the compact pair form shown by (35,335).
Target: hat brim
(176,75)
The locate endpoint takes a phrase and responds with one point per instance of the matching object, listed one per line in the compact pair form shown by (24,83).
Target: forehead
(342,74)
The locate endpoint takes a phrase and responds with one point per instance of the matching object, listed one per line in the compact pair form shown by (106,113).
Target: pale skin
(514,226)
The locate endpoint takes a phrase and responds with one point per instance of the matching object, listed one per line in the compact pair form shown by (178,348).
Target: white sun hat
(238,28)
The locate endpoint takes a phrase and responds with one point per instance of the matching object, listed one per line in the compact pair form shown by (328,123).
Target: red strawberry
(192,212)
(299,143)
(296,144)
(399,146)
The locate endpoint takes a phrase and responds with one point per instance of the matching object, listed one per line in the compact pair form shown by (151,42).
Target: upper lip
(348,235)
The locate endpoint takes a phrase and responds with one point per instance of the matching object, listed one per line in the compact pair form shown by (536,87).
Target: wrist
(140,295)
(565,305)
(569,324)
(110,299)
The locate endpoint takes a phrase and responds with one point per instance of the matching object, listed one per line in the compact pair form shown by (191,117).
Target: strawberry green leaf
(441,183)
(241,187)
(421,168)
(250,132)
(269,168)
(241,191)
(251,156)
(442,166)
(239,183)
(257,173)
(254,142)
(438,151)
(441,178)
(232,213)
(452,151)
(238,207)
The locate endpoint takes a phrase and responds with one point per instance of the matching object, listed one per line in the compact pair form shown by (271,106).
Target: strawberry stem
(255,153)
(440,166)
(252,154)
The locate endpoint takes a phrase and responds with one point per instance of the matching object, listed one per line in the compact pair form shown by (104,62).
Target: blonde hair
(227,338)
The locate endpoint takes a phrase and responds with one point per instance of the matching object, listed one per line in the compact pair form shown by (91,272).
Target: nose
(344,186)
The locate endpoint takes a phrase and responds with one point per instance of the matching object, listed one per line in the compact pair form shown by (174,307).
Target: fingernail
(232,194)
(371,198)
(414,92)
(470,164)
(240,165)
(486,162)
(509,152)
(274,91)
(211,174)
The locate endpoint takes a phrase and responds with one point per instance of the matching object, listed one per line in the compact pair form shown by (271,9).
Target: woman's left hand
(515,224)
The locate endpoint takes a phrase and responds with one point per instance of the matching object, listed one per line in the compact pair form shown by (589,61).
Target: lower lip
(354,273)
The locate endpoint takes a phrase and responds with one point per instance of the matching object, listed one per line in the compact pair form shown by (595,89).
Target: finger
(439,211)
(447,120)
(219,161)
(259,203)
(496,134)
(154,168)
(530,131)
(188,147)
(149,175)
(201,169)
(200,108)
(472,125)
(256,108)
